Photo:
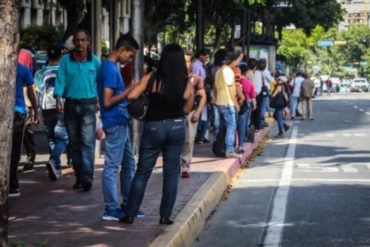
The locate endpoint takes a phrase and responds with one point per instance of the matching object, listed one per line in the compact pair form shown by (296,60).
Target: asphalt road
(310,189)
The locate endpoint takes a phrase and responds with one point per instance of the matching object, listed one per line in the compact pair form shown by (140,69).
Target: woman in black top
(171,98)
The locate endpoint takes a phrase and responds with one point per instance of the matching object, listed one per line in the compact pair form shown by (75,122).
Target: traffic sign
(364,63)
(340,42)
(325,43)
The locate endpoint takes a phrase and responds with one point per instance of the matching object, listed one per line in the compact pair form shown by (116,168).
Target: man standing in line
(24,78)
(294,98)
(76,83)
(264,78)
(307,87)
(226,101)
(192,118)
(197,68)
(113,102)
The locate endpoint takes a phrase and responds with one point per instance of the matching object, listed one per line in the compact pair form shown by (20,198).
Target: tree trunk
(199,28)
(9,29)
(232,37)
(217,37)
(137,31)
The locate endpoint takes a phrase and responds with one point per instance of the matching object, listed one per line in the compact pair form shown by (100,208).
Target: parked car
(359,85)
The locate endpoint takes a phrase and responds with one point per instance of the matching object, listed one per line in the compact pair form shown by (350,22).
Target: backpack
(219,146)
(46,90)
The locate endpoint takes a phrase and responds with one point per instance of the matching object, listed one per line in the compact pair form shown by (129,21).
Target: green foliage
(294,47)
(331,60)
(104,47)
(244,3)
(38,35)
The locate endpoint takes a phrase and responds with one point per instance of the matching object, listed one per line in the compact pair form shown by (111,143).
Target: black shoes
(127,219)
(286,127)
(87,185)
(130,219)
(14,192)
(77,186)
(165,221)
(28,166)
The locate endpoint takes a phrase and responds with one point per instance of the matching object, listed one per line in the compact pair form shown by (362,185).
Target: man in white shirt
(294,97)
(263,77)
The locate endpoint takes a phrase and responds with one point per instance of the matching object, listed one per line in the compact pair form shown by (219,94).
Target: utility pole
(137,31)
(113,23)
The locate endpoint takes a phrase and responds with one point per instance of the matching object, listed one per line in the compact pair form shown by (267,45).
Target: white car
(359,85)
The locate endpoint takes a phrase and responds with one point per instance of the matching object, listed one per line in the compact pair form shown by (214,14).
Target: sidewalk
(54,212)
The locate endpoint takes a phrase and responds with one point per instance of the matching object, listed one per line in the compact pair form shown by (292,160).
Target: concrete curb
(189,222)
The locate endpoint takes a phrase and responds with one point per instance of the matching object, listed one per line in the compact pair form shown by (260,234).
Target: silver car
(359,85)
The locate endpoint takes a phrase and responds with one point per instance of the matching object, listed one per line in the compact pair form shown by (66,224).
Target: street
(310,189)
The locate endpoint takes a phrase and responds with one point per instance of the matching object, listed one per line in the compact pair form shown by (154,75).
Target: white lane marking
(329,135)
(367,113)
(329,180)
(349,169)
(361,109)
(330,169)
(324,180)
(355,106)
(276,223)
(303,165)
(346,134)
(319,170)
(368,166)
(359,134)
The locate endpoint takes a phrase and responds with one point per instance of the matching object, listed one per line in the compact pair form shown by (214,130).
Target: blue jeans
(118,155)
(294,104)
(168,137)
(278,116)
(56,133)
(80,120)
(228,116)
(243,124)
(203,125)
(61,141)
(216,121)
(264,103)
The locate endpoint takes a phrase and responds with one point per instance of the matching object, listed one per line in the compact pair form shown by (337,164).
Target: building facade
(41,12)
(357,13)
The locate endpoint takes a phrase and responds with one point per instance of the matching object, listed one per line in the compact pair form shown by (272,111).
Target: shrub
(40,36)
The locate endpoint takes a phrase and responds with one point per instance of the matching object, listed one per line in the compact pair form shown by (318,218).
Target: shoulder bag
(264,89)
(279,100)
(138,108)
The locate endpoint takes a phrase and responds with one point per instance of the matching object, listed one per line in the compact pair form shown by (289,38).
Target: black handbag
(264,89)
(243,108)
(278,101)
(138,108)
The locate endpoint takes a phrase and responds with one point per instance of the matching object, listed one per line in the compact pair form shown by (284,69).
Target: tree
(160,14)
(9,19)
(75,14)
(305,14)
(293,47)
(331,60)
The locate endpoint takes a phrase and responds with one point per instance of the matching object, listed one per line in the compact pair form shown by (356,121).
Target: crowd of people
(188,98)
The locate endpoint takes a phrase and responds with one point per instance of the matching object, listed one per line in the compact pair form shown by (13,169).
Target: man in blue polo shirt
(113,101)
(24,78)
(76,83)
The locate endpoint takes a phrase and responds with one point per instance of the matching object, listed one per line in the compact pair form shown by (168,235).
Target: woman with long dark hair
(171,97)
